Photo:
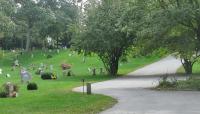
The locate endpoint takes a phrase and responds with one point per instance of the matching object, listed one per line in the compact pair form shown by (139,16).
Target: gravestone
(7,75)
(58,51)
(0,71)
(51,68)
(25,76)
(32,56)
(16,62)
(10,90)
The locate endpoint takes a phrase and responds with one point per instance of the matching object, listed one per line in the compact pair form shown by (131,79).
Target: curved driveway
(134,97)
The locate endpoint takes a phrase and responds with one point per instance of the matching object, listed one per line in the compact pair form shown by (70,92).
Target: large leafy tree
(105,33)
(65,16)
(173,24)
(6,11)
(32,17)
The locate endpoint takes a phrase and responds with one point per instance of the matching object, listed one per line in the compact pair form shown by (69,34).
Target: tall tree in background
(65,16)
(32,17)
(7,9)
(174,24)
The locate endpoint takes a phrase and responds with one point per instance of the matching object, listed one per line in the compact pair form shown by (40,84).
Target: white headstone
(7,75)
(58,51)
(25,76)
(51,68)
(0,71)
(16,62)
(32,56)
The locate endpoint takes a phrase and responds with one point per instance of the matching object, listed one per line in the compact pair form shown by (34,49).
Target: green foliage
(161,52)
(6,23)
(165,83)
(3,94)
(49,56)
(105,33)
(191,84)
(32,86)
(173,25)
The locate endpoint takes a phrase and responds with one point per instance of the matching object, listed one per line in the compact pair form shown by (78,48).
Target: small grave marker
(25,76)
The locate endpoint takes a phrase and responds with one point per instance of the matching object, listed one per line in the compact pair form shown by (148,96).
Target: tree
(32,17)
(103,32)
(65,16)
(174,24)
(6,11)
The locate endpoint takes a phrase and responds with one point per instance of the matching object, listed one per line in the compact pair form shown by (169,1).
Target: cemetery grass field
(56,96)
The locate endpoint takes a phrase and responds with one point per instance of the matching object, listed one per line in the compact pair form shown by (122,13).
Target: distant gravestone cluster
(94,71)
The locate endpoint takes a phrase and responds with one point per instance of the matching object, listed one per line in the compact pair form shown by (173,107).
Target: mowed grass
(56,96)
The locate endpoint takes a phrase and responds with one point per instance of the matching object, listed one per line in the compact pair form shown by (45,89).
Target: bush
(3,94)
(165,84)
(49,56)
(160,52)
(48,76)
(32,86)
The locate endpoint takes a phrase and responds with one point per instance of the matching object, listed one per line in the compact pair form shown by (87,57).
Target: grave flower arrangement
(48,76)
(65,66)
(8,90)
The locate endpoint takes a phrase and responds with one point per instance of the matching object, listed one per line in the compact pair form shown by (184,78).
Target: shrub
(48,76)
(32,86)
(49,56)
(160,52)
(164,83)
(124,59)
(3,94)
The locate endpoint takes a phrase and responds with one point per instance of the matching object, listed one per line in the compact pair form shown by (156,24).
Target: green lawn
(55,96)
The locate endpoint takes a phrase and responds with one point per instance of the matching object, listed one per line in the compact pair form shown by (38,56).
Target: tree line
(28,23)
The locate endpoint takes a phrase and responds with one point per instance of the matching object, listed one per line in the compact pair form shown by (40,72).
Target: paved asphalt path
(135,97)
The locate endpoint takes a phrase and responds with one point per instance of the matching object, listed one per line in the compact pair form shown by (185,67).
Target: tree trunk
(28,40)
(113,66)
(187,66)
(57,43)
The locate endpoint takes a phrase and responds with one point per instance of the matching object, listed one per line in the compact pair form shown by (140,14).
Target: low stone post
(89,89)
